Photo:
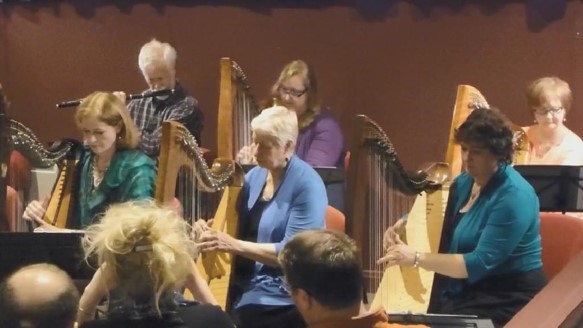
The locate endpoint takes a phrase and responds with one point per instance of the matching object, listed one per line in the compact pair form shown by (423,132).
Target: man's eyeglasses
(545,111)
(292,92)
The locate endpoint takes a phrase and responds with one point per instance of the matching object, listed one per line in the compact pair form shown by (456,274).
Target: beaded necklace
(97,174)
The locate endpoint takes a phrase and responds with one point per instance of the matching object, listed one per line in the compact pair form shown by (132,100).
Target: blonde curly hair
(141,247)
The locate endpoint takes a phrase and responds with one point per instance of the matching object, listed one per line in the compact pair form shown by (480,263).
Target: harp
(237,107)
(467,99)
(216,190)
(183,173)
(379,192)
(521,145)
(65,155)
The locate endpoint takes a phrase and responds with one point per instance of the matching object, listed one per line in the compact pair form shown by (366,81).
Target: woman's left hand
(213,240)
(398,254)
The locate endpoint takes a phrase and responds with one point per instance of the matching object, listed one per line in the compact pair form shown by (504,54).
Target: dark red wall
(397,61)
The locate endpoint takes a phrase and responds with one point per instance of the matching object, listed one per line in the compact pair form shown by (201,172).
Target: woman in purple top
(320,141)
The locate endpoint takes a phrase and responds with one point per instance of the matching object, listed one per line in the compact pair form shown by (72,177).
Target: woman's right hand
(390,237)
(247,155)
(200,226)
(34,213)
(35,210)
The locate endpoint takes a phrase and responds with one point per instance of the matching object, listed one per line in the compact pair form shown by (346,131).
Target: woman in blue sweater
(490,253)
(282,196)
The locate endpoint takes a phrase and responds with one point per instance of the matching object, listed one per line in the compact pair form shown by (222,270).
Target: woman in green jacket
(111,170)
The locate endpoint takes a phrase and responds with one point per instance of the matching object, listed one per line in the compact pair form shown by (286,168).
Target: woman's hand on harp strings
(247,155)
(198,227)
(214,240)
(393,232)
(398,254)
(35,211)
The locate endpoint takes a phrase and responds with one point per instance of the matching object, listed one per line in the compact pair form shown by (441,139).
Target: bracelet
(416,261)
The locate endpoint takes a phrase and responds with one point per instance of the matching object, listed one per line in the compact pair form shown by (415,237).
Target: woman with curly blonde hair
(145,255)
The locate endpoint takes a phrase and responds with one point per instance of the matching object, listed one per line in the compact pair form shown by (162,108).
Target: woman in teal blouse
(111,169)
(490,253)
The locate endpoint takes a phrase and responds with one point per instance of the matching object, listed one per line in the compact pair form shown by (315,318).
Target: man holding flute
(157,62)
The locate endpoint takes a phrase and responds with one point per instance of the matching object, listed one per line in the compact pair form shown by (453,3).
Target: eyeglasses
(292,92)
(545,111)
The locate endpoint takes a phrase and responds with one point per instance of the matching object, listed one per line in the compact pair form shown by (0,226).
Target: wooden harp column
(237,107)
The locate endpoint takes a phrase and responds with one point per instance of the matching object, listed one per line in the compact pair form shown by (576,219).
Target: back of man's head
(38,296)
(324,263)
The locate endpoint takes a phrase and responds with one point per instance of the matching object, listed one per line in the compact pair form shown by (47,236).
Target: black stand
(440,320)
(559,188)
(64,250)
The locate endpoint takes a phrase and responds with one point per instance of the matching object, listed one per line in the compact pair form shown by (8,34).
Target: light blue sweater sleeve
(307,211)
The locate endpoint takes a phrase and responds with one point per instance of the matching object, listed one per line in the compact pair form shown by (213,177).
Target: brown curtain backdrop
(397,61)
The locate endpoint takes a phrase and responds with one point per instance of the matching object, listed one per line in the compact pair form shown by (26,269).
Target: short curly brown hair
(489,128)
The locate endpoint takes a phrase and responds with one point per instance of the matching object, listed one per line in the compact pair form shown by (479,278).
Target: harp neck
(237,107)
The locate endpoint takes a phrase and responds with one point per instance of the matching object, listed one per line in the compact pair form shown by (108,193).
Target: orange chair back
(562,239)
(334,219)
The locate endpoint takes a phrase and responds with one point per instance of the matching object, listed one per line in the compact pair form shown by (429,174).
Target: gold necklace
(97,174)
(474,193)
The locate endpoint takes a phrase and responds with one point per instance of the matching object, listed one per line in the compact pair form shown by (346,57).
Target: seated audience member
(489,262)
(281,196)
(145,255)
(111,169)
(38,296)
(551,142)
(322,269)
(157,62)
(320,141)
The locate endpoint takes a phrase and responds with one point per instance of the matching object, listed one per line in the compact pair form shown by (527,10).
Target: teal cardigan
(498,236)
(131,176)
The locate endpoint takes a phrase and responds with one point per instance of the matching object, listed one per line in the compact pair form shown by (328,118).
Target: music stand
(559,188)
